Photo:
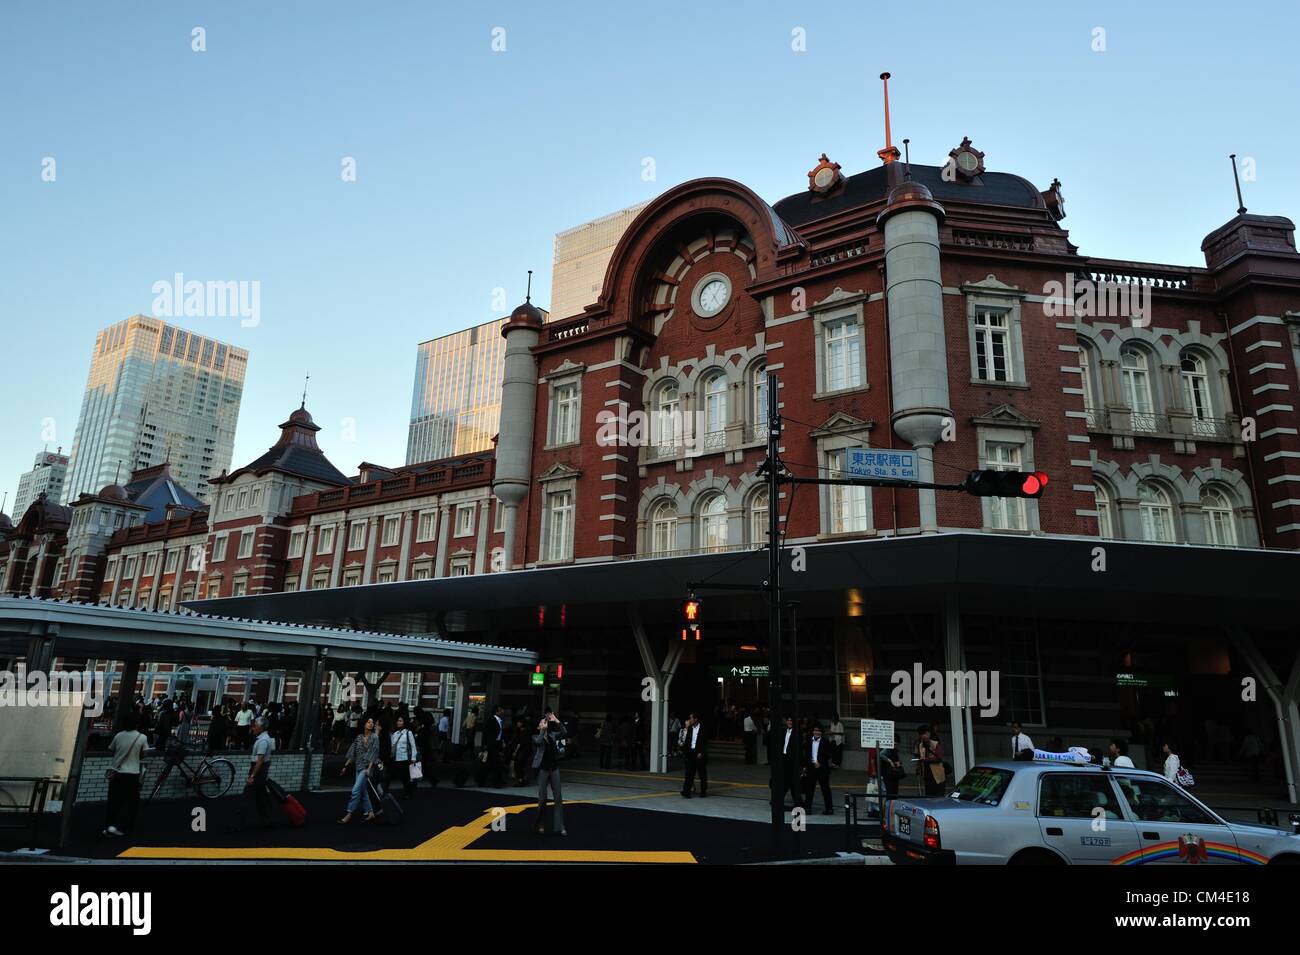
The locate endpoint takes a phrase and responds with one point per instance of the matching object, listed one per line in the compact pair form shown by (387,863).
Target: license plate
(904,824)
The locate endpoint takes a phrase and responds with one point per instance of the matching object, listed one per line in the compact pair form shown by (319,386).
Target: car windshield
(983,784)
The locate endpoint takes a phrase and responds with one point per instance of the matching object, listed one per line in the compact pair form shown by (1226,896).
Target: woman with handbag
(127,749)
(405,755)
(364,755)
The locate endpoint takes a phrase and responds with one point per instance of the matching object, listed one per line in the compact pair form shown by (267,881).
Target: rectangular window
(499,518)
(243,498)
(325,539)
(320,582)
(214,589)
(296,540)
(992,356)
(356,535)
(565,418)
(110,573)
(239,588)
(352,578)
(421,573)
(219,548)
(385,577)
(460,567)
(173,558)
(1006,513)
(290,584)
(464,520)
(392,525)
(246,544)
(424,530)
(256,497)
(559,544)
(150,565)
(196,558)
(230,500)
(848,505)
(843,354)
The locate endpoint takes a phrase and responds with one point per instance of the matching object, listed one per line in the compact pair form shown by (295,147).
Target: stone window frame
(835,309)
(353,528)
(463,507)
(563,376)
(1006,301)
(553,484)
(393,521)
(1008,432)
(297,543)
(432,514)
(247,539)
(840,435)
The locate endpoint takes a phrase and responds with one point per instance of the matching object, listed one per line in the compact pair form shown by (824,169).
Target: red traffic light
(691,610)
(1033,484)
(996,483)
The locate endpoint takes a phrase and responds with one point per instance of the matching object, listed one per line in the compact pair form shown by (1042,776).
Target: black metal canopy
(1161,583)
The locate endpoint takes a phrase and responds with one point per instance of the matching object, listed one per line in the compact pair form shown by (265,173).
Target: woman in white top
(405,753)
(1172,764)
(127,749)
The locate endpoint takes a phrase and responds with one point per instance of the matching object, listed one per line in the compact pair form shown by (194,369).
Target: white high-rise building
(156,393)
(46,477)
(581,257)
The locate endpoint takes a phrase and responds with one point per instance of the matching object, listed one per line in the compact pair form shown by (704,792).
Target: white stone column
(340,548)
(404,560)
(444,532)
(482,514)
(372,538)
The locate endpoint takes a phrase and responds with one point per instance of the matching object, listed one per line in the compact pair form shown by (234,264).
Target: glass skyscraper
(156,393)
(456,406)
(581,256)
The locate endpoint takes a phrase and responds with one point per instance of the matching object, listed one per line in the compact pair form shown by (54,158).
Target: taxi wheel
(1035,857)
(1285,860)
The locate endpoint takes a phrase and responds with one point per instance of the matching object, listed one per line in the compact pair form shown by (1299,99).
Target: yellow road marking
(450,845)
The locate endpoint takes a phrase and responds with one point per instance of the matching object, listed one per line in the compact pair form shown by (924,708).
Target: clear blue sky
(225,165)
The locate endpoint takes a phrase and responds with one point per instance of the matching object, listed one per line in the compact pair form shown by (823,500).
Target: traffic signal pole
(774,707)
(985,483)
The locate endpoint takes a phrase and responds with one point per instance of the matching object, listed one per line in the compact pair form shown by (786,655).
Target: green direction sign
(538,679)
(1157,681)
(748,671)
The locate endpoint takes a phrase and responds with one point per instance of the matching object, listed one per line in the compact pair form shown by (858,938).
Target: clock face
(713,296)
(967,161)
(825,176)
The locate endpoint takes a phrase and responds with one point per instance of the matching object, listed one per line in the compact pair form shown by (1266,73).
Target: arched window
(1136,379)
(668,419)
(713,524)
(1196,393)
(1157,514)
(663,528)
(1091,399)
(758,388)
(758,519)
(715,411)
(1220,529)
(1105,514)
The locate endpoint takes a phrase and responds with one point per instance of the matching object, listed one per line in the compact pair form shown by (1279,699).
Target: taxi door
(1080,815)
(1172,827)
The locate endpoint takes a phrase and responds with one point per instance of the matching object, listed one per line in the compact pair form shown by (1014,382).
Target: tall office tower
(581,256)
(156,393)
(45,477)
(456,404)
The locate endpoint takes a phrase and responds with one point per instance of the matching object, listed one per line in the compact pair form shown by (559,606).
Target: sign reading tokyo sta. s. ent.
(880,463)
(750,670)
(877,734)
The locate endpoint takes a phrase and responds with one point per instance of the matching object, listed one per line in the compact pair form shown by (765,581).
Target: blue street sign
(868,462)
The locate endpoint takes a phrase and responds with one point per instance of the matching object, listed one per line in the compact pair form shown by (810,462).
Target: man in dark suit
(817,769)
(494,742)
(696,756)
(791,761)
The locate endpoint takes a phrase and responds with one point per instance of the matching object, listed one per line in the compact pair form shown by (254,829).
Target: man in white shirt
(817,770)
(694,756)
(255,795)
(751,739)
(791,763)
(1022,747)
(1118,758)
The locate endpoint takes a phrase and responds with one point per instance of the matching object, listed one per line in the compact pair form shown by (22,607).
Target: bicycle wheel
(214,778)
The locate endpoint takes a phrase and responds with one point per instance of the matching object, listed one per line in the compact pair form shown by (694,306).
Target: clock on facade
(824,176)
(711,295)
(968,161)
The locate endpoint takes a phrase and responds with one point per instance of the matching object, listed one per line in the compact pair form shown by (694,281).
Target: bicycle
(212,778)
